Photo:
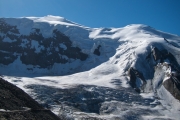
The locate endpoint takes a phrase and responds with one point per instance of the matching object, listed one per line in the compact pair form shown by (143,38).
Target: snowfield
(98,88)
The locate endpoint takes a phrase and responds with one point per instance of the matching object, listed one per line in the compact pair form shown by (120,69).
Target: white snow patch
(55,20)
(24,43)
(63,46)
(7,39)
(35,45)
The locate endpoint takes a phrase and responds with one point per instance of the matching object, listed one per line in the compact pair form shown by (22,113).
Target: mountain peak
(49,18)
(53,20)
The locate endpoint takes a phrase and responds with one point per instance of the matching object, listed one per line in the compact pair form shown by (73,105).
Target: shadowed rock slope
(16,104)
(34,48)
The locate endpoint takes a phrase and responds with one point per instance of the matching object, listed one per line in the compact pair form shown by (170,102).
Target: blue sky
(163,15)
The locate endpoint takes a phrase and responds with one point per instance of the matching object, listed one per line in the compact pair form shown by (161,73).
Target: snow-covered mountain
(99,73)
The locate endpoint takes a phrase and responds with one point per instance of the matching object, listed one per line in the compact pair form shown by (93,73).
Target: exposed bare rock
(157,55)
(173,87)
(16,104)
(134,74)
(96,51)
(35,49)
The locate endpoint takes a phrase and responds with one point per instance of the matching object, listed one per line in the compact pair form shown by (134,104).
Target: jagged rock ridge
(163,60)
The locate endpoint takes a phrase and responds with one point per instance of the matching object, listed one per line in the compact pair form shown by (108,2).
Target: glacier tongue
(97,87)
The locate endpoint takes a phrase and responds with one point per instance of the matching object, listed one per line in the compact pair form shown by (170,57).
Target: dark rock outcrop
(173,86)
(16,104)
(134,74)
(164,58)
(156,54)
(35,49)
(96,51)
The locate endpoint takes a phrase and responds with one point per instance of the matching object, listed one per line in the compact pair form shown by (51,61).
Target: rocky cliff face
(169,66)
(35,49)
(166,72)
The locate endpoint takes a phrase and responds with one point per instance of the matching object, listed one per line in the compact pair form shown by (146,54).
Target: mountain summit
(97,73)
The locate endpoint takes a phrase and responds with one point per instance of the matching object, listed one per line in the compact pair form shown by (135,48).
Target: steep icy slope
(101,71)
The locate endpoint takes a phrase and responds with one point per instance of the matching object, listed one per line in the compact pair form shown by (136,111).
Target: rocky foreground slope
(94,73)
(15,104)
